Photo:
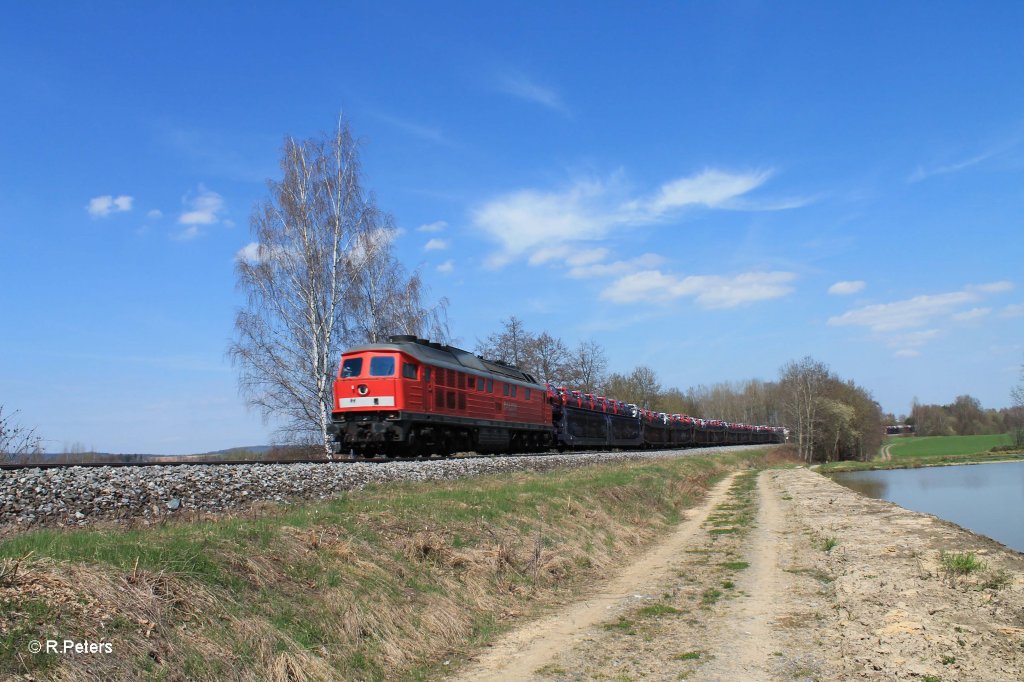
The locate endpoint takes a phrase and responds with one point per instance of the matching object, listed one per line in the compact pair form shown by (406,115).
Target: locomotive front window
(351,368)
(382,366)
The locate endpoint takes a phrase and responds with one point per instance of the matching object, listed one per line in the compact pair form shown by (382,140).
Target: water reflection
(986,498)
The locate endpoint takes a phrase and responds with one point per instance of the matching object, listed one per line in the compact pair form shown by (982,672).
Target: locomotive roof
(446,356)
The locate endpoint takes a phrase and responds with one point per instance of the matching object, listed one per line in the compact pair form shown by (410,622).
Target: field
(937,446)
(908,452)
(395,581)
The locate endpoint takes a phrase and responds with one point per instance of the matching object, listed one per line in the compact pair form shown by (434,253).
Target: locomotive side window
(504,389)
(382,366)
(351,368)
(409,370)
(490,385)
(514,387)
(526,393)
(426,375)
(480,384)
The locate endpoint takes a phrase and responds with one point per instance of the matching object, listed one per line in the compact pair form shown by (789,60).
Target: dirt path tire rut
(520,654)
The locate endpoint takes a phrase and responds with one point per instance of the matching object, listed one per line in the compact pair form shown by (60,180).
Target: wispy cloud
(446,266)
(437,226)
(414,128)
(101,207)
(521,86)
(205,207)
(992,287)
(846,288)
(530,221)
(888,321)
(435,245)
(923,172)
(1013,310)
(708,291)
(912,312)
(616,268)
(972,314)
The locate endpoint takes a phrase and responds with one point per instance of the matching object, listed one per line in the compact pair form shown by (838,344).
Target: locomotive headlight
(363,389)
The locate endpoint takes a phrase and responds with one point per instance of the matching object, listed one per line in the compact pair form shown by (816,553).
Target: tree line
(966,417)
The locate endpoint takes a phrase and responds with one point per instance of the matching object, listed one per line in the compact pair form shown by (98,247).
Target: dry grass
(385,583)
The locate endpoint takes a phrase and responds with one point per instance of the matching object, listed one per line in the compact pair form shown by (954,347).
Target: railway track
(339,459)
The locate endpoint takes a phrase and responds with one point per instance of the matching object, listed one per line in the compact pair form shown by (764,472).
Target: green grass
(735,565)
(710,596)
(961,563)
(688,656)
(910,452)
(657,610)
(938,446)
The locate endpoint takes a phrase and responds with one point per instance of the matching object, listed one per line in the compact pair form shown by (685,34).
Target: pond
(985,498)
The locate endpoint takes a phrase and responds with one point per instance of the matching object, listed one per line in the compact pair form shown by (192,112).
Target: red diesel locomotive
(412,397)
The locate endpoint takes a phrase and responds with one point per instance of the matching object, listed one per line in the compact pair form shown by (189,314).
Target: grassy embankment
(909,452)
(391,582)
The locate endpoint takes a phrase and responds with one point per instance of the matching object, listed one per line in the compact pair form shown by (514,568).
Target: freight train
(412,398)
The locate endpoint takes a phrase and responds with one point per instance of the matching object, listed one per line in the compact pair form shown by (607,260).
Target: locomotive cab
(367,380)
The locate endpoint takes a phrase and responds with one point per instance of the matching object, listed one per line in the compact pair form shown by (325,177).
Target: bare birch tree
(319,276)
(587,366)
(15,439)
(802,383)
(511,345)
(1017,411)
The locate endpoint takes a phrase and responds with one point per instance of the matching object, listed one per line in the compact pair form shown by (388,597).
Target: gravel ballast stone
(78,496)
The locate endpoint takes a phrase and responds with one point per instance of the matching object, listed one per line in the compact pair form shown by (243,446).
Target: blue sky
(710,189)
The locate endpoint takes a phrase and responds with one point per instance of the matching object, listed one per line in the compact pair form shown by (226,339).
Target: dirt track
(781,576)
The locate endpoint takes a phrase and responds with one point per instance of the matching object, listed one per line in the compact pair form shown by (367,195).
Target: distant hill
(254,452)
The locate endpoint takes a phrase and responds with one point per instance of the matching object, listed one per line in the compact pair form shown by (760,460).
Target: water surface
(985,498)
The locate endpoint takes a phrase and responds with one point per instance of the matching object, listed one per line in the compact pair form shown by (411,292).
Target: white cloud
(251,252)
(914,312)
(711,188)
(709,291)
(972,314)
(616,268)
(519,85)
(446,266)
(1013,310)
(435,245)
(542,224)
(189,233)
(907,353)
(913,339)
(437,226)
(992,287)
(846,288)
(204,208)
(155,214)
(101,207)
